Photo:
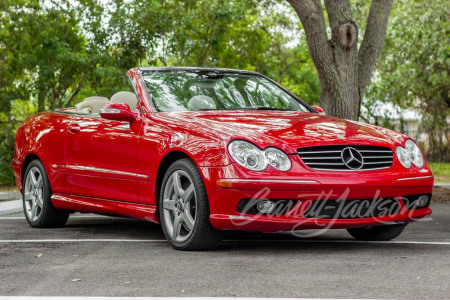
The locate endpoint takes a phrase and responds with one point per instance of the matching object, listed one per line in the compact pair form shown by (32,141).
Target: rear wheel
(184,209)
(377,233)
(38,208)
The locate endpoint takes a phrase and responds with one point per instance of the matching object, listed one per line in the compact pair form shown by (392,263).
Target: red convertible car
(205,150)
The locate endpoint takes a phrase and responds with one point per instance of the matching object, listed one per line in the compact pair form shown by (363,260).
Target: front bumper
(228,186)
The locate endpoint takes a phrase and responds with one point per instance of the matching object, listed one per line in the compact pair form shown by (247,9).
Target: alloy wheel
(179,206)
(33,194)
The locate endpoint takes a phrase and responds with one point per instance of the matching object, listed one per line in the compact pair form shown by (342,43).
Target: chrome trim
(268,180)
(371,158)
(338,151)
(327,164)
(314,152)
(108,171)
(109,111)
(378,162)
(337,157)
(344,170)
(380,151)
(355,156)
(413,178)
(389,157)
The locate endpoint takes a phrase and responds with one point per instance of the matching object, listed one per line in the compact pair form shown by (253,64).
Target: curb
(10,207)
(443,185)
(10,196)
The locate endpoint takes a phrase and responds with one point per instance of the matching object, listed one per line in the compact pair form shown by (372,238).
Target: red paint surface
(135,150)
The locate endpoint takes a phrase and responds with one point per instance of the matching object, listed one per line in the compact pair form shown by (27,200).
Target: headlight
(277,159)
(403,157)
(410,155)
(247,155)
(414,153)
(251,157)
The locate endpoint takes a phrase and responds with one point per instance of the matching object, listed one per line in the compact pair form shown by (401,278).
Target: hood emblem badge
(352,158)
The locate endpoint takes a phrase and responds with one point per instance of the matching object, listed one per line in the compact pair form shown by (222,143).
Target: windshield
(213,90)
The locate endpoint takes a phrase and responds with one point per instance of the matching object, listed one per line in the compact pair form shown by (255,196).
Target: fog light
(265,207)
(422,201)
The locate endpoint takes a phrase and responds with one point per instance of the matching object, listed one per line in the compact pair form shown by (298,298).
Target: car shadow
(332,240)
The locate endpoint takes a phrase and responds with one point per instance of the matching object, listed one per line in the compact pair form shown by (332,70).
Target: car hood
(285,129)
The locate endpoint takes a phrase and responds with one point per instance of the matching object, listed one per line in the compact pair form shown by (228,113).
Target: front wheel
(38,208)
(377,233)
(184,209)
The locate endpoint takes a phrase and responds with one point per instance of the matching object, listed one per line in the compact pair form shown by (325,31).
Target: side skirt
(104,206)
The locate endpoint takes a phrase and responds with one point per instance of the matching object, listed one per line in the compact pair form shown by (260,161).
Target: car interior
(92,105)
(201,102)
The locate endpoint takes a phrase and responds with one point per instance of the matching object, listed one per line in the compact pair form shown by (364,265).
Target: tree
(55,53)
(247,34)
(344,70)
(414,69)
(46,52)
(43,59)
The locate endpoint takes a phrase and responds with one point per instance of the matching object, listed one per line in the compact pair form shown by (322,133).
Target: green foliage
(54,53)
(440,169)
(6,152)
(441,172)
(414,68)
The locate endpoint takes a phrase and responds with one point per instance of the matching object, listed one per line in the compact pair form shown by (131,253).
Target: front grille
(331,157)
(352,209)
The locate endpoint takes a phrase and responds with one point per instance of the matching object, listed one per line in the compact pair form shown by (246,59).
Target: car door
(102,158)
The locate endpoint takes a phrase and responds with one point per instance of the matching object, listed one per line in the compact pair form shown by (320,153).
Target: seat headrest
(92,106)
(95,98)
(125,97)
(201,102)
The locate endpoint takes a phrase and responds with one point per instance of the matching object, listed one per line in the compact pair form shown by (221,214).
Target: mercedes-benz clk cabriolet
(206,150)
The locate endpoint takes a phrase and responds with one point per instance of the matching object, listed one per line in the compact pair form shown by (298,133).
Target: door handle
(74,128)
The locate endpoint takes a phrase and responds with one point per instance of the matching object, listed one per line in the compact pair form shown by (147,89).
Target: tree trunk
(344,73)
(41,101)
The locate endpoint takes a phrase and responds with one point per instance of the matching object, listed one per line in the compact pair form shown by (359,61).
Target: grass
(441,172)
(8,188)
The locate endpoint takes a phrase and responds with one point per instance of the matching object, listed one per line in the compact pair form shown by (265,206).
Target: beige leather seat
(201,102)
(92,104)
(125,97)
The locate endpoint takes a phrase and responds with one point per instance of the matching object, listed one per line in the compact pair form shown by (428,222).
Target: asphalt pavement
(104,256)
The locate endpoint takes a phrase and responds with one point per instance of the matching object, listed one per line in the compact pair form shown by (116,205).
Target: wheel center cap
(179,205)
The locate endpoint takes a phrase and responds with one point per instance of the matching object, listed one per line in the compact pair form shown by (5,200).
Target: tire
(377,233)
(36,192)
(183,198)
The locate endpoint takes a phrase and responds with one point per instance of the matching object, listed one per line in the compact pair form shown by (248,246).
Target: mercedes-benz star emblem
(352,158)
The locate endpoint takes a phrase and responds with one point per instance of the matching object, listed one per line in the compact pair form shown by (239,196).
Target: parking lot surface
(106,256)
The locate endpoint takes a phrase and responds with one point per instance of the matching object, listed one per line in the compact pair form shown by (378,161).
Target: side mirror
(319,109)
(118,112)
